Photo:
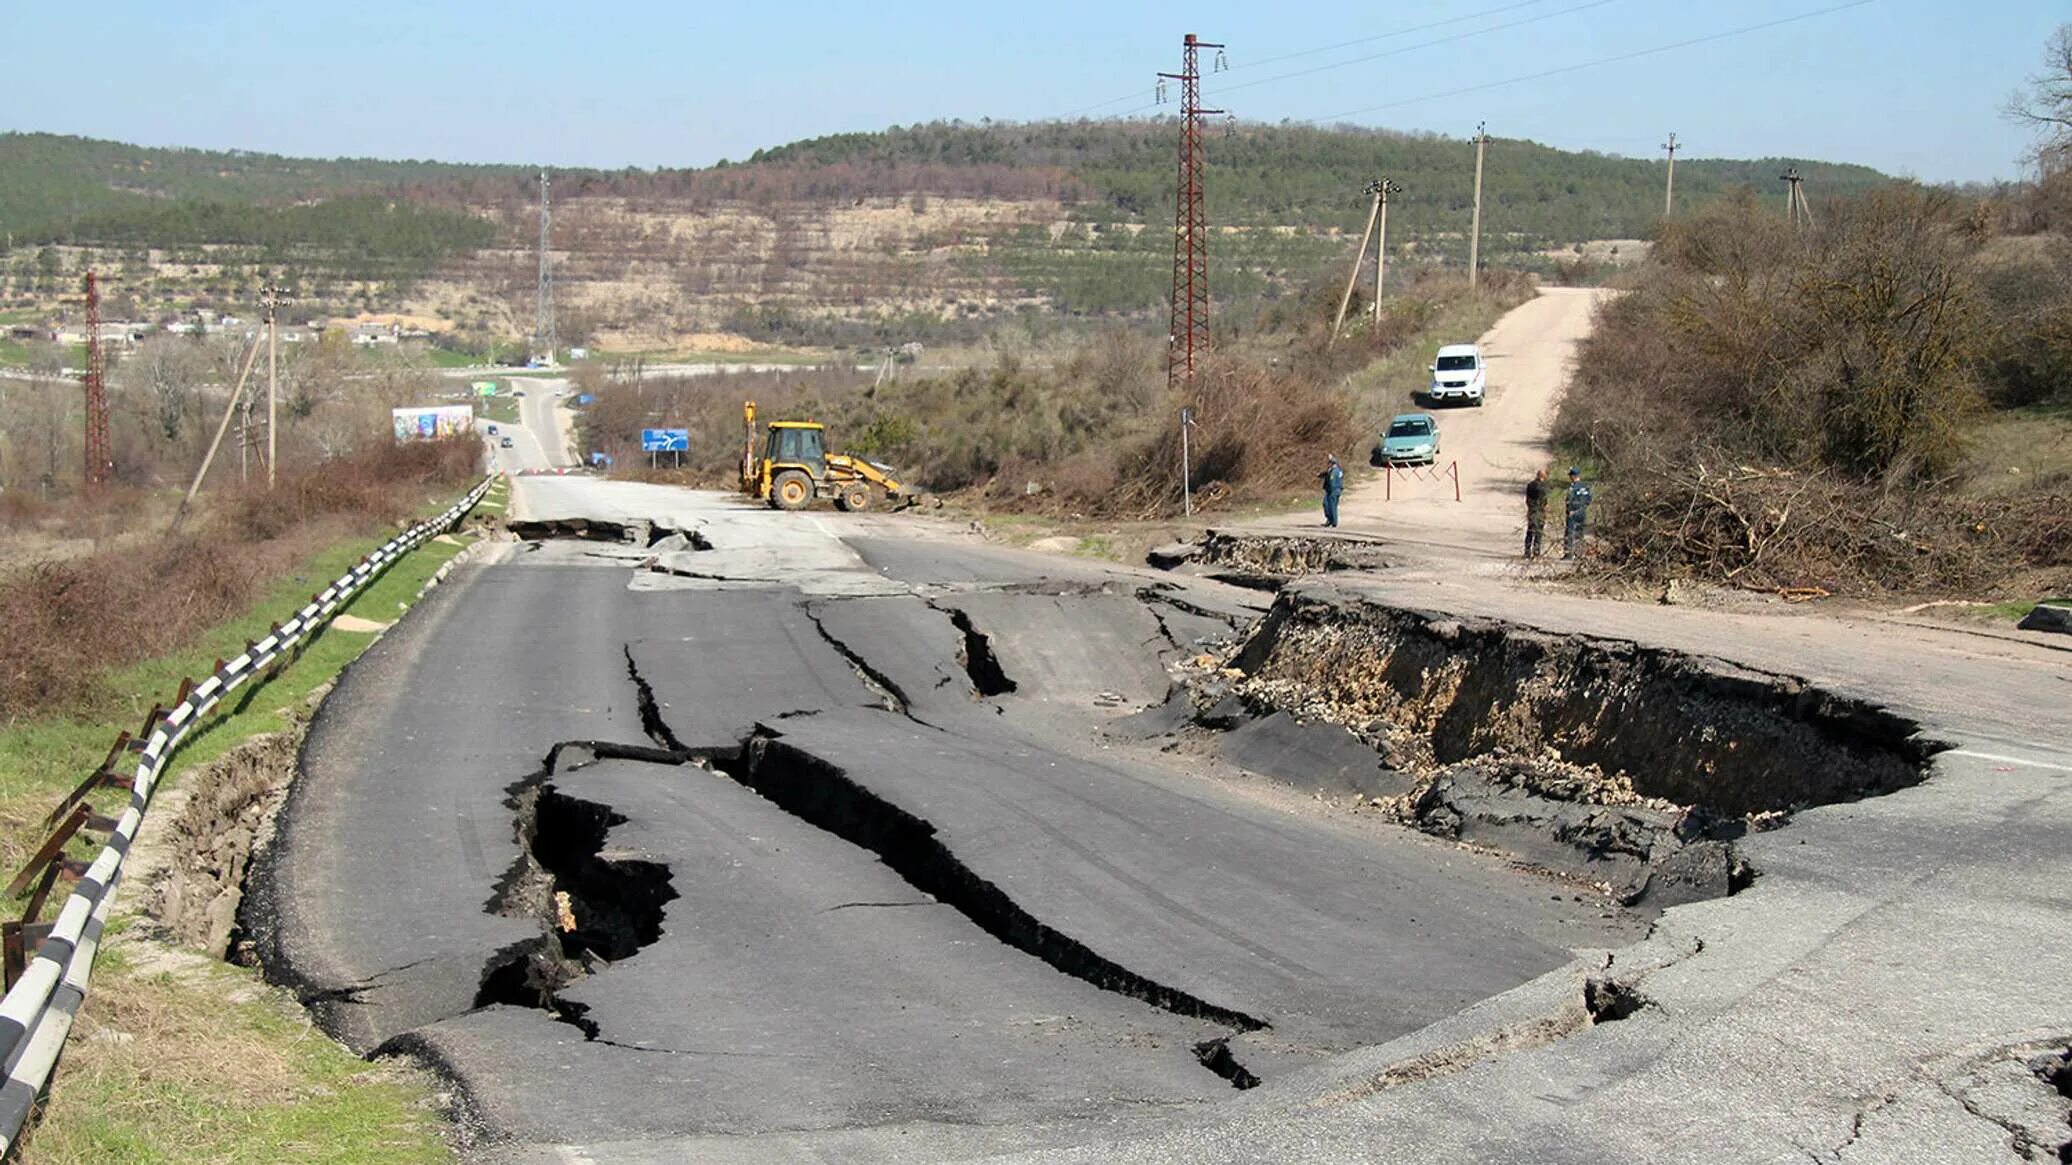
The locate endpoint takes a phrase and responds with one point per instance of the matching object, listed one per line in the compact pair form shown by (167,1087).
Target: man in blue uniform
(1578,513)
(1333,478)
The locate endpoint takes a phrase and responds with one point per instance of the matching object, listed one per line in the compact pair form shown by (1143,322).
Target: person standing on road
(1578,513)
(1333,478)
(1536,515)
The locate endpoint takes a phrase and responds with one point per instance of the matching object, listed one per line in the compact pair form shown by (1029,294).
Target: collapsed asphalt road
(793,827)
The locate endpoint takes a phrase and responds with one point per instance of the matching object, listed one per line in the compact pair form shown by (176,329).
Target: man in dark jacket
(1536,515)
(1333,478)
(1578,503)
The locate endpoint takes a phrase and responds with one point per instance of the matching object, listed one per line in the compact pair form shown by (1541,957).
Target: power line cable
(1434,43)
(1415,28)
(1611,60)
(1346,44)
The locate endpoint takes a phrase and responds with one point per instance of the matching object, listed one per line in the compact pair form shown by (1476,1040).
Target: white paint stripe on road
(2009,760)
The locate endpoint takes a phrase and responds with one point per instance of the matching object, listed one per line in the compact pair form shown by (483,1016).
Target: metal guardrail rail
(37,1012)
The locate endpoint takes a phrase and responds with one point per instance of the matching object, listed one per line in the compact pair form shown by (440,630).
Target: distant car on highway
(1457,374)
(1410,439)
(505,443)
(492,430)
(520,392)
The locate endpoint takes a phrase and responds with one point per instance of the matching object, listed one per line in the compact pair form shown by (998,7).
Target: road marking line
(2012,760)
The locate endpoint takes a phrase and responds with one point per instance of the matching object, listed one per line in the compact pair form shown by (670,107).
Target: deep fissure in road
(640,533)
(822,795)
(594,909)
(1635,768)
(975,655)
(880,683)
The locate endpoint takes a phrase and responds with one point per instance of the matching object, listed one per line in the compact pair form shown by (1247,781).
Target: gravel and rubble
(1631,769)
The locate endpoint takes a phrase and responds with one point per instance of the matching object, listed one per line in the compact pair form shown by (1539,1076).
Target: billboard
(426,424)
(484,387)
(665,440)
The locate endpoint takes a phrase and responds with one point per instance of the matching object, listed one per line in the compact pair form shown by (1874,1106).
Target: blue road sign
(665,440)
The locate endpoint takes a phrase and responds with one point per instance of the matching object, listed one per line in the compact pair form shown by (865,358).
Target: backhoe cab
(792,466)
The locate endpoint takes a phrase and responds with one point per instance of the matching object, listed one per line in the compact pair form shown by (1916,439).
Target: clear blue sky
(1910,86)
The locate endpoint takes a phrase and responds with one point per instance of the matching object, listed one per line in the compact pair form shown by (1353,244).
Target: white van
(1458,374)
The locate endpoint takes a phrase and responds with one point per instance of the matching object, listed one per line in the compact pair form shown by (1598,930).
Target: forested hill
(48,181)
(931,232)
(56,188)
(1298,174)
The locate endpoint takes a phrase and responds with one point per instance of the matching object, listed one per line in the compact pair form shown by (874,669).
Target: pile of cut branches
(1809,530)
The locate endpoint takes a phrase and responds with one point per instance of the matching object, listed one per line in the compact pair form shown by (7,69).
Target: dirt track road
(1530,352)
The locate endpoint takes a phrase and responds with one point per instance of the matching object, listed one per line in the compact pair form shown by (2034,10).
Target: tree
(2045,103)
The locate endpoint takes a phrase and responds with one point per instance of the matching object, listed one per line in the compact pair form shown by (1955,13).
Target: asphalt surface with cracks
(838,838)
(908,878)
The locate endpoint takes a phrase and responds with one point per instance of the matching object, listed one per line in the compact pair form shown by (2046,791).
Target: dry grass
(65,623)
(1812,410)
(1095,433)
(180,1059)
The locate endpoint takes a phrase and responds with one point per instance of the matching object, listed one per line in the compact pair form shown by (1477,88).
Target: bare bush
(1855,346)
(64,624)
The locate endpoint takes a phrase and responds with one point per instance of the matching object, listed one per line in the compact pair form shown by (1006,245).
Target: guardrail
(37,1012)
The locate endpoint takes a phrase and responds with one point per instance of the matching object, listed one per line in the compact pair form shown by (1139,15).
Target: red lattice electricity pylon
(100,457)
(1189,342)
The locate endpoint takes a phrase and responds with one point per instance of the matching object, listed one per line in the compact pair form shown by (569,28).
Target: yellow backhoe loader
(791,466)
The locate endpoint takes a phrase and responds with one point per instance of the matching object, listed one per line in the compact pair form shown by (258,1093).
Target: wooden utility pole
(1381,246)
(1475,231)
(1669,195)
(1360,256)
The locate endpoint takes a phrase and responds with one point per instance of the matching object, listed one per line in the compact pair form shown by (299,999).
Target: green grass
(503,410)
(2012,612)
(1384,388)
(14,352)
(444,358)
(188,1065)
(2019,449)
(215,1069)
(44,758)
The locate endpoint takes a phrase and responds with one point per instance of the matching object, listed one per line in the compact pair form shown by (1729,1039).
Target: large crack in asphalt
(822,794)
(880,684)
(976,656)
(594,910)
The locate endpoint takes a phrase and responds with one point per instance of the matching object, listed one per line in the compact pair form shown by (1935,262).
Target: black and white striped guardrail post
(37,1012)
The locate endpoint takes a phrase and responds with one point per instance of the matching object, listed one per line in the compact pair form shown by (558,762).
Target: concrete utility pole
(1360,256)
(1381,246)
(1669,196)
(544,341)
(1186,463)
(272,298)
(1475,232)
(1796,208)
(229,410)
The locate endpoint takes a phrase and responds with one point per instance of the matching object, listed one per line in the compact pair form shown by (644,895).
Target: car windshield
(1411,428)
(1456,363)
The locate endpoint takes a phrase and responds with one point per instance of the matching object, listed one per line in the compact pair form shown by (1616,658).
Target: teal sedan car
(1410,439)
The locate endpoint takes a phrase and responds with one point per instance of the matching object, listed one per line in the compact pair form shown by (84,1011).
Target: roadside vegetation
(177,1057)
(1096,434)
(66,623)
(1882,402)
